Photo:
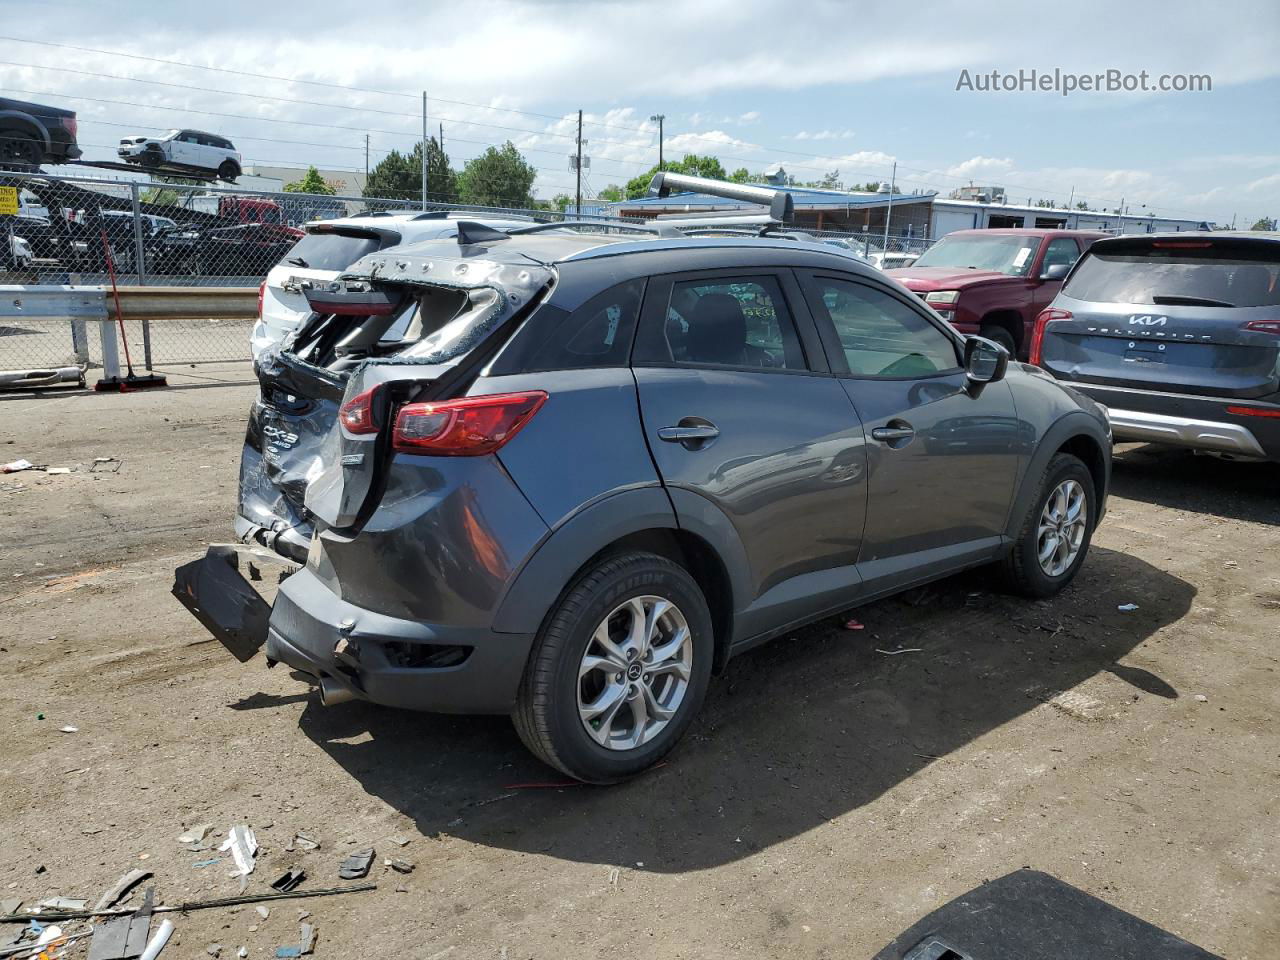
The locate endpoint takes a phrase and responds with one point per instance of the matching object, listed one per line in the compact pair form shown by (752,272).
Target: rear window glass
(1187,274)
(330,251)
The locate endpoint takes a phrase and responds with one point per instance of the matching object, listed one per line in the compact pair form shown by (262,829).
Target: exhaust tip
(333,693)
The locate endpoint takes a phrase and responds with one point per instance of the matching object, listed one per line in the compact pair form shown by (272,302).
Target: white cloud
(823,135)
(981,167)
(751,116)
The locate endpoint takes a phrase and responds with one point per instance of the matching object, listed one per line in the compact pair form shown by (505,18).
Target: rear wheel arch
(1087,448)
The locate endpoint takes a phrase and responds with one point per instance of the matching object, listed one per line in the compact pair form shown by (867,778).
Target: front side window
(1062,250)
(731,322)
(879,335)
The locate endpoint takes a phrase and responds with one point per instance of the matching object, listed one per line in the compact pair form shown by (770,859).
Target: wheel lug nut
(618,677)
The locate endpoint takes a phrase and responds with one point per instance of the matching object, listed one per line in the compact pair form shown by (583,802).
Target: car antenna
(470,232)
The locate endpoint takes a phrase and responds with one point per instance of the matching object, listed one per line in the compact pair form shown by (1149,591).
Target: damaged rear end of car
(368,467)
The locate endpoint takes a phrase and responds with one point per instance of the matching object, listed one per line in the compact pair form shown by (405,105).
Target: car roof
(1262,236)
(552,247)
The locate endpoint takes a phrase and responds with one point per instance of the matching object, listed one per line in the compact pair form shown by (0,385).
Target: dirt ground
(828,797)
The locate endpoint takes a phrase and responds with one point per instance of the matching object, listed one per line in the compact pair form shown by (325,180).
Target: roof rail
(661,230)
(779,202)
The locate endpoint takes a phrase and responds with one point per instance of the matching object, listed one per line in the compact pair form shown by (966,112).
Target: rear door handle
(684,434)
(887,434)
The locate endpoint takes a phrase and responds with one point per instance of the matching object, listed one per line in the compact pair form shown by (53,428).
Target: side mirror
(985,361)
(1055,271)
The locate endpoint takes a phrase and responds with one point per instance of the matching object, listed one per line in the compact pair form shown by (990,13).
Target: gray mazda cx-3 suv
(566,474)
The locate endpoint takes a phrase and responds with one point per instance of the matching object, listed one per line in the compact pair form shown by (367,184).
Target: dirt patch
(828,796)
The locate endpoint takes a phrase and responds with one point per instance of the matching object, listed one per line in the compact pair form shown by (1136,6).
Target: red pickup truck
(995,282)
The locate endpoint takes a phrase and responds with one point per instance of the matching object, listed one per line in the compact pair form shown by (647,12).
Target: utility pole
(578,167)
(658,118)
(424,149)
(442,138)
(366,158)
(893,179)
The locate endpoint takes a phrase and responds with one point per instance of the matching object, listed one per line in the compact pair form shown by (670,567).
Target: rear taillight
(69,125)
(262,293)
(469,427)
(357,415)
(1254,412)
(1263,326)
(1047,316)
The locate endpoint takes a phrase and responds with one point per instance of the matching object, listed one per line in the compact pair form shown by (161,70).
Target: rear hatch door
(1199,315)
(372,343)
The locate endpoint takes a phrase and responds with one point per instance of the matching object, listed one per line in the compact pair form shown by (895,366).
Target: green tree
(1264,223)
(312,182)
(398,176)
(561,201)
(741,176)
(499,177)
(692,164)
(612,193)
(1081,205)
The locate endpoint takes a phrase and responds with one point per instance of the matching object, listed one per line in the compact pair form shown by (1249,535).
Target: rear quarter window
(1237,275)
(596,334)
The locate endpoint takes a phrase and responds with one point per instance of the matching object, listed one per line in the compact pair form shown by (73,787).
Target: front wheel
(1055,536)
(1002,336)
(619,670)
(228,171)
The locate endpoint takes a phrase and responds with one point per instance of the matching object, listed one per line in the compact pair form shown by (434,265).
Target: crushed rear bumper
(345,648)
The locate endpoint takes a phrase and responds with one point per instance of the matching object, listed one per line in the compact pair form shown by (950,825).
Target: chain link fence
(77,230)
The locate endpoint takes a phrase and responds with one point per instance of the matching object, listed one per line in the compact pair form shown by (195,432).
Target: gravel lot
(829,795)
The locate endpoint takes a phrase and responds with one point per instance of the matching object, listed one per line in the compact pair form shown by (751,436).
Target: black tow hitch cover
(217,594)
(1029,915)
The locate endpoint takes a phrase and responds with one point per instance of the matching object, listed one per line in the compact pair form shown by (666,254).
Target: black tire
(152,157)
(19,150)
(1000,335)
(547,712)
(228,170)
(1021,568)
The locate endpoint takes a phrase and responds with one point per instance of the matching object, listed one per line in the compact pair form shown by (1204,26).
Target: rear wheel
(228,170)
(1055,536)
(1000,335)
(20,150)
(619,670)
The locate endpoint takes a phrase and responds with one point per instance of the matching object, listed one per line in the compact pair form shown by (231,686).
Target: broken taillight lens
(262,294)
(1047,316)
(357,415)
(469,427)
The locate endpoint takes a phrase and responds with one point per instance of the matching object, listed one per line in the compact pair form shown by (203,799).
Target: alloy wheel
(1063,523)
(635,672)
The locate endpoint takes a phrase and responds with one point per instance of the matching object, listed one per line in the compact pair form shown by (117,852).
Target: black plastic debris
(1029,915)
(289,881)
(217,594)
(356,866)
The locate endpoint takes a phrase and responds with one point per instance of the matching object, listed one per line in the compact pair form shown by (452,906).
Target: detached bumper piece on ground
(1029,915)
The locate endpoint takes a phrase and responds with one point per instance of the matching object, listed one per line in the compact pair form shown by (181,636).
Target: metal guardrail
(45,334)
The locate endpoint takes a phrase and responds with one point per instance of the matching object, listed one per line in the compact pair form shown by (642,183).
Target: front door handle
(684,434)
(891,434)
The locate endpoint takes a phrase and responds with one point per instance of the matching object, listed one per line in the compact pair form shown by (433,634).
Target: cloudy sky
(815,86)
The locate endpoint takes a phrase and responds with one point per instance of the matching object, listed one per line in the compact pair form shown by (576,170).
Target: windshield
(1200,273)
(1001,253)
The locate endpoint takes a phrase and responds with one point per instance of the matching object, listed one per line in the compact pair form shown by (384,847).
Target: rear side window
(330,251)
(1184,272)
(879,335)
(731,322)
(597,334)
